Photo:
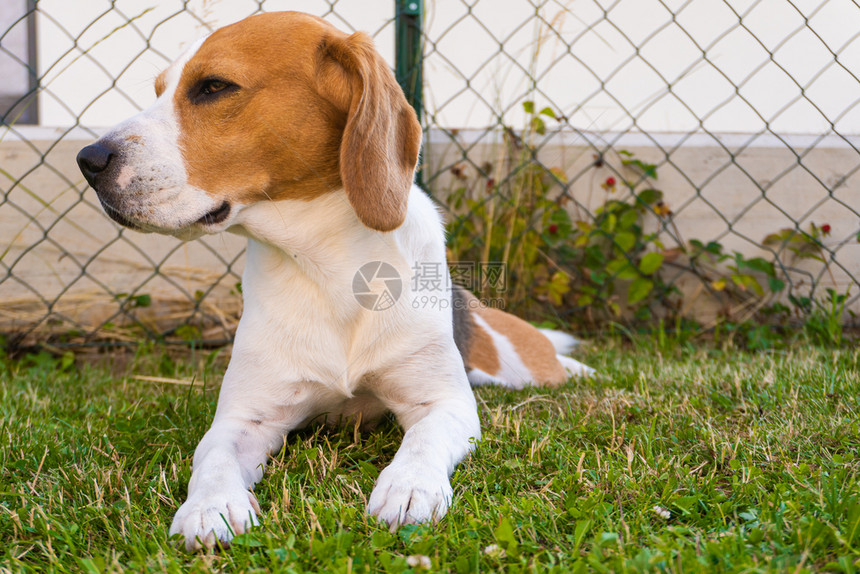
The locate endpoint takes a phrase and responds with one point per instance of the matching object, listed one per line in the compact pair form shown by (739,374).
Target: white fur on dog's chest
(302,320)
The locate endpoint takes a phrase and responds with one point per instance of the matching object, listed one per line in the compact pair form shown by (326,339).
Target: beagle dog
(293,134)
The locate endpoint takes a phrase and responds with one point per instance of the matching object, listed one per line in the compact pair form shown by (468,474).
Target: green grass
(693,459)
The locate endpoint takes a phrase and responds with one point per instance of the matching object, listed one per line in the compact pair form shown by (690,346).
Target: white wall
(13,77)
(597,80)
(592,84)
(84,45)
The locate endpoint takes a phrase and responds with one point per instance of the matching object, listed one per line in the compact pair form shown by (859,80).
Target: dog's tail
(500,349)
(562,342)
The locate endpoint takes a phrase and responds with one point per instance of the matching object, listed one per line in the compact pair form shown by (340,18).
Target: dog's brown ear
(382,136)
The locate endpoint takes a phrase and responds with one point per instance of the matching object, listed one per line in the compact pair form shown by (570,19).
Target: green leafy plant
(823,316)
(514,212)
(507,216)
(802,244)
(611,263)
(824,323)
(620,255)
(134,301)
(745,274)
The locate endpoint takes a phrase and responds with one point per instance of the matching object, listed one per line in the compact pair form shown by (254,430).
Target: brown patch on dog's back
(535,351)
(475,344)
(483,354)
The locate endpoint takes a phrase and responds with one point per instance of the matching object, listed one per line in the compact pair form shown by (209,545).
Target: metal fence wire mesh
(625,160)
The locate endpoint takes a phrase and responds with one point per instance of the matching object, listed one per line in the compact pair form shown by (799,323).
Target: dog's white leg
(227,463)
(437,410)
(230,460)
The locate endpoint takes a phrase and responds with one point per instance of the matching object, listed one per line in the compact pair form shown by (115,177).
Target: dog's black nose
(93,160)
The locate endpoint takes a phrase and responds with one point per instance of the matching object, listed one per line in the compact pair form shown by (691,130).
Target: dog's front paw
(208,517)
(410,494)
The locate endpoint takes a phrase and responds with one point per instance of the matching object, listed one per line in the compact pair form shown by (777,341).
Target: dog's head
(277,106)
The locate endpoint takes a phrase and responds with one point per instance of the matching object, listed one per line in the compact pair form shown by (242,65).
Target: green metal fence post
(409,16)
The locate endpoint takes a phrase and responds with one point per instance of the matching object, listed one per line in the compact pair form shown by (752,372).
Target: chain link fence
(68,275)
(625,160)
(701,156)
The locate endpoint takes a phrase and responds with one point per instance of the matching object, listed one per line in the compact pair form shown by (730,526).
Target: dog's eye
(209,89)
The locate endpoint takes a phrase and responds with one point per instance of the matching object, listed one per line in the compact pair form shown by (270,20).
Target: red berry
(825,229)
(610,182)
(553,228)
